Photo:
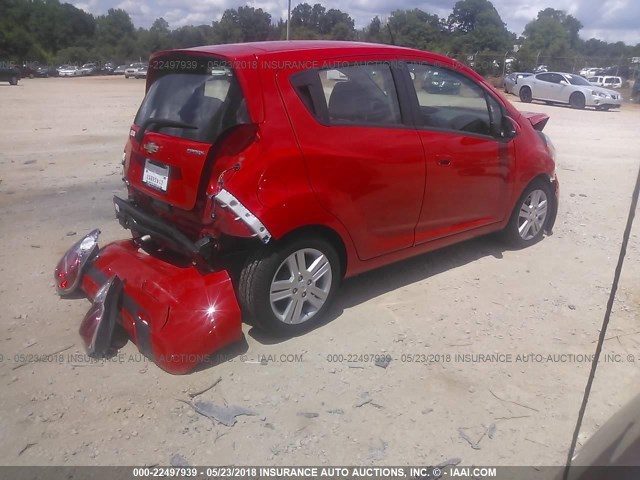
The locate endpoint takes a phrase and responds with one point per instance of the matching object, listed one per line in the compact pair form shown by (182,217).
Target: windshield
(577,80)
(209,102)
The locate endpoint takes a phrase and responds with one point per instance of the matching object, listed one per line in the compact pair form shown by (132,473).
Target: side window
(545,77)
(451,101)
(362,94)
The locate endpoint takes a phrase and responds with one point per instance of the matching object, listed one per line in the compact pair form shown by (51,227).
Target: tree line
(52,32)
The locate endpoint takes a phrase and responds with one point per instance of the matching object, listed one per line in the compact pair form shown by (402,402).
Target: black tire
(512,232)
(13,80)
(525,95)
(258,274)
(577,100)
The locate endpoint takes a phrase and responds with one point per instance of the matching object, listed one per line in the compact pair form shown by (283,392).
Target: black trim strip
(143,335)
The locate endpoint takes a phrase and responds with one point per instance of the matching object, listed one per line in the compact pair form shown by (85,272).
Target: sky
(609,20)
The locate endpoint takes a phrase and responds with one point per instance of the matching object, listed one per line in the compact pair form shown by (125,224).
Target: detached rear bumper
(176,315)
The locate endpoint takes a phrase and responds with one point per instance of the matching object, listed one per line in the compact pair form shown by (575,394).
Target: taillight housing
(100,323)
(70,267)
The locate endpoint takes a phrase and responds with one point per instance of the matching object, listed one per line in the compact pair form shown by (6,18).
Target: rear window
(205,96)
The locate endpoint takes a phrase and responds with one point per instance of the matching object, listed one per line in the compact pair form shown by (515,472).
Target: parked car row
(67,70)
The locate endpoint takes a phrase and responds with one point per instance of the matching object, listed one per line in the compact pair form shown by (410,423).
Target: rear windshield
(208,99)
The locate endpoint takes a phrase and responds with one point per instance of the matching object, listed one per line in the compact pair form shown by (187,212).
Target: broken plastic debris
(225,415)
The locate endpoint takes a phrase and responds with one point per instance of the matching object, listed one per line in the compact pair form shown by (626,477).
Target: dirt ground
(316,400)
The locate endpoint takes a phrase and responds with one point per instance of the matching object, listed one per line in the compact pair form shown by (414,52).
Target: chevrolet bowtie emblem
(151,147)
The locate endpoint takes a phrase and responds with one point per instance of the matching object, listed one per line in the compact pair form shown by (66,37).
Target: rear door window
(545,77)
(363,94)
(204,96)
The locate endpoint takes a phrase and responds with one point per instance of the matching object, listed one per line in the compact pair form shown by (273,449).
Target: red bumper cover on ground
(176,315)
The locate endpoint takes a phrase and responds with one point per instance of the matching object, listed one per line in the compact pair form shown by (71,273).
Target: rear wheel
(577,100)
(530,215)
(525,95)
(287,289)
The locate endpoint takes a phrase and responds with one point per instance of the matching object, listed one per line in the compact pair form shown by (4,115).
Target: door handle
(443,161)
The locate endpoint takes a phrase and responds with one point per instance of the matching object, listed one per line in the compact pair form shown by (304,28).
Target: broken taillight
(99,326)
(70,267)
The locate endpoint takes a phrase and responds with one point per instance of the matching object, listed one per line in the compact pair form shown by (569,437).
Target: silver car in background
(131,70)
(557,87)
(511,80)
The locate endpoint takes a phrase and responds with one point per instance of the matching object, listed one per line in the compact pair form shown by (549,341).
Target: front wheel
(525,95)
(577,100)
(287,289)
(13,80)
(530,215)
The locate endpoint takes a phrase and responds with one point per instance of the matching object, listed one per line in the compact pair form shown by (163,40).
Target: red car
(260,175)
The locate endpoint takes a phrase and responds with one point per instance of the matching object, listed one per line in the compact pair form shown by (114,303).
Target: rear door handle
(443,161)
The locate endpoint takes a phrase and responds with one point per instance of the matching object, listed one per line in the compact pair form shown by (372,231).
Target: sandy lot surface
(316,401)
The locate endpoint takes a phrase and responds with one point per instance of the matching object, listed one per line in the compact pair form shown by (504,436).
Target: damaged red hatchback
(260,175)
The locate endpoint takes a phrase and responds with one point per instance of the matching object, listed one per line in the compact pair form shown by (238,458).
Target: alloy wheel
(533,214)
(300,286)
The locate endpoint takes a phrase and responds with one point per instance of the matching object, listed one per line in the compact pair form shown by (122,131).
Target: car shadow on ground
(360,289)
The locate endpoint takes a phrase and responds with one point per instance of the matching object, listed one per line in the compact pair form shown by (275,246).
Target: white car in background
(612,82)
(590,71)
(569,88)
(69,71)
(131,70)
(607,82)
(88,69)
(597,81)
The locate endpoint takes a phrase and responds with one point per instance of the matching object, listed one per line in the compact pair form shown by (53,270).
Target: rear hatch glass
(191,101)
(209,100)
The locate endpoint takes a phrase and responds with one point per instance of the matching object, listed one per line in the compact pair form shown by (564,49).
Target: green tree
(246,24)
(190,36)
(547,40)
(116,36)
(417,29)
(476,26)
(158,37)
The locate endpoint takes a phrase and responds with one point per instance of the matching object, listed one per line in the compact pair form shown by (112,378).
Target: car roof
(283,46)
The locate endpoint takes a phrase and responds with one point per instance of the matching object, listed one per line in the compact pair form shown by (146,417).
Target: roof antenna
(393,40)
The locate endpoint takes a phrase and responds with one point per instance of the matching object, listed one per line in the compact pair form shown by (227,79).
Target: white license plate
(156,176)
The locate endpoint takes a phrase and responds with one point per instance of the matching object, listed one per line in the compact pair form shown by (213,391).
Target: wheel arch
(324,232)
(550,182)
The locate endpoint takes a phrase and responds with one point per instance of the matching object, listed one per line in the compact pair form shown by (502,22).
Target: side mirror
(563,82)
(509,128)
